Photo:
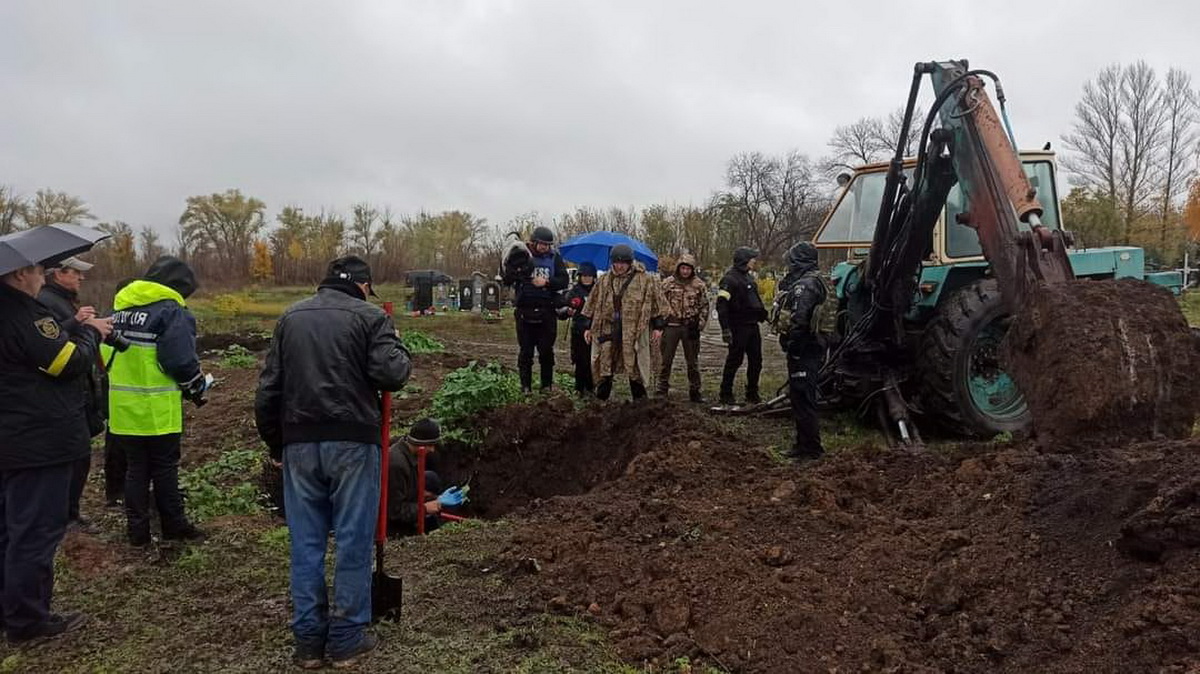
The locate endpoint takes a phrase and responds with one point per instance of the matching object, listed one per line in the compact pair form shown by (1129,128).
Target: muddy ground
(623,537)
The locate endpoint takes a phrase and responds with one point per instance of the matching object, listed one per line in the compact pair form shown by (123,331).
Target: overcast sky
(502,106)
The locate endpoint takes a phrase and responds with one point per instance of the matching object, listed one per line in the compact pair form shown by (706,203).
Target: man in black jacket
(740,310)
(797,300)
(318,411)
(537,274)
(403,505)
(572,310)
(61,297)
(43,432)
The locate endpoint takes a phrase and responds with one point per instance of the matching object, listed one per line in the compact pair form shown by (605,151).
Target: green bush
(238,357)
(471,390)
(419,342)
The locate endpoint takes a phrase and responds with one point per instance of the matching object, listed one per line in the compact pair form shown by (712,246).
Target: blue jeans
(331,486)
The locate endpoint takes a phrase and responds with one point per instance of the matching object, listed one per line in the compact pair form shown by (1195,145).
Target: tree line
(1132,157)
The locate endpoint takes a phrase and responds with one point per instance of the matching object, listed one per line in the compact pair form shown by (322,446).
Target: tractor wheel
(963,385)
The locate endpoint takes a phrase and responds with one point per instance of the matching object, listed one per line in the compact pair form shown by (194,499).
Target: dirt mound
(1105,359)
(1004,558)
(219,341)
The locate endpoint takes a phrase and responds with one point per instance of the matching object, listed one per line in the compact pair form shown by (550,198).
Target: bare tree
(49,207)
(12,210)
(769,202)
(365,236)
(1095,136)
(1141,140)
(862,142)
(1180,109)
(891,127)
(1118,139)
(149,247)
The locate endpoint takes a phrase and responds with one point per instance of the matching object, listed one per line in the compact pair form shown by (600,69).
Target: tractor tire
(963,387)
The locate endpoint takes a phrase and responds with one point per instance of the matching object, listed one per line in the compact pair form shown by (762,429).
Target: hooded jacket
(330,356)
(738,301)
(687,299)
(143,381)
(800,293)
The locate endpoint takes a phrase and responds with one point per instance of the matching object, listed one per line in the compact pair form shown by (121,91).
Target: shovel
(387,591)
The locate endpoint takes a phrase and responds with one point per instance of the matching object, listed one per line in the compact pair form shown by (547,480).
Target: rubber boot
(696,397)
(604,388)
(638,390)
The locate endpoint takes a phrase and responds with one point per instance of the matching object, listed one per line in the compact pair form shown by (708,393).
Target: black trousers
(152,459)
(539,335)
(79,476)
(804,367)
(114,470)
(33,519)
(746,344)
(581,357)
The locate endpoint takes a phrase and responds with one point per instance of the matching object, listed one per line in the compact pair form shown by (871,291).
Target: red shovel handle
(386,441)
(421,491)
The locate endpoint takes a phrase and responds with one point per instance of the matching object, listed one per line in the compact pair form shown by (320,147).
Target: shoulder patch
(48,327)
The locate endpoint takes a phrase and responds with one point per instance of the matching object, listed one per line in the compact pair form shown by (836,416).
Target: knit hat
(425,432)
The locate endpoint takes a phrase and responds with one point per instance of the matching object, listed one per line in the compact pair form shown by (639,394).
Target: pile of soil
(999,557)
(219,341)
(1113,360)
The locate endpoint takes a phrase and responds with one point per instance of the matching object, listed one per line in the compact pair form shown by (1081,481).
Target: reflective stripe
(60,361)
(143,389)
(724,294)
(133,334)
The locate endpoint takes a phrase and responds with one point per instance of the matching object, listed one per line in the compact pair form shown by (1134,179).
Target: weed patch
(220,487)
(419,342)
(470,390)
(238,357)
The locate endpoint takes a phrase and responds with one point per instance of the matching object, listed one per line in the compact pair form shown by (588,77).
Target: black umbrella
(45,245)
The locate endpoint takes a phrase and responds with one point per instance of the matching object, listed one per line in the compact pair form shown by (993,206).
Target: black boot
(696,397)
(604,388)
(752,397)
(638,390)
(727,398)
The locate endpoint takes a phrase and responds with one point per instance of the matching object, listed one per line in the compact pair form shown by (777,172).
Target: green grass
(1190,302)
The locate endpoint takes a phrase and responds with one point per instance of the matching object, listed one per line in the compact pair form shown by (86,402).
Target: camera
(118,342)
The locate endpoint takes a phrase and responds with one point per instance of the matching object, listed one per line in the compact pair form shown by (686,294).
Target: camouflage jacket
(686,299)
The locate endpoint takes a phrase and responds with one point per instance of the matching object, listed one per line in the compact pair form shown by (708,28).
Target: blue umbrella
(594,246)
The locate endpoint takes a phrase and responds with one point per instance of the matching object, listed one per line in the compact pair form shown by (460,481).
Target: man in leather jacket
(318,411)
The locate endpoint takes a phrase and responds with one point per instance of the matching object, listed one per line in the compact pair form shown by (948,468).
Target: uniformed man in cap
(43,433)
(61,296)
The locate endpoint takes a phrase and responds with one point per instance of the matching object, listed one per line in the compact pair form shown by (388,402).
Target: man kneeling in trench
(403,507)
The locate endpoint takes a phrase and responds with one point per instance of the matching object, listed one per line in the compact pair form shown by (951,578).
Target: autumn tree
(261,269)
(48,207)
(223,225)
(1092,217)
(1191,212)
(1179,104)
(116,257)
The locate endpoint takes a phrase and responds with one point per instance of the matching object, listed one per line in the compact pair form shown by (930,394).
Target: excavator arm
(971,147)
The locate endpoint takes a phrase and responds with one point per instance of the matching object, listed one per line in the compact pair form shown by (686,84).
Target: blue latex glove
(452,497)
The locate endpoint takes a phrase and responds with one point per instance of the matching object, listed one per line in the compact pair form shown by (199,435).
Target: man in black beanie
(403,505)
